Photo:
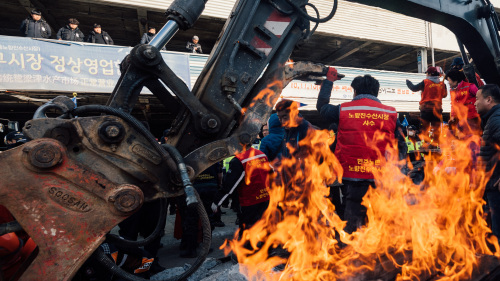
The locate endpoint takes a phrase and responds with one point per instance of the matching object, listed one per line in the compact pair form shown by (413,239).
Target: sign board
(54,65)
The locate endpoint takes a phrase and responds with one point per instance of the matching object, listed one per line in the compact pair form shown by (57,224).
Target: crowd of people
(35,26)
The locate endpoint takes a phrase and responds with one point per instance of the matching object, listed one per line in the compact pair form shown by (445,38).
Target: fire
(413,231)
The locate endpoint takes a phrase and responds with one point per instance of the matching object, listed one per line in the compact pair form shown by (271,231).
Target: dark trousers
(493,199)
(354,213)
(251,214)
(143,222)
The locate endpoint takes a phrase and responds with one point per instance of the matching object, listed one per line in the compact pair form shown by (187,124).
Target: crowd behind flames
(242,182)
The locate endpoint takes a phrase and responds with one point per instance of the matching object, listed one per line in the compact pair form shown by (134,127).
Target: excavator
(93,166)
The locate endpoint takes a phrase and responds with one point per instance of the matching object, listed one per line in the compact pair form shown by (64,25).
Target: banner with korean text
(52,65)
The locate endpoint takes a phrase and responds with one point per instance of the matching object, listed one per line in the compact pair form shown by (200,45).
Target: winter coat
(271,144)
(92,37)
(190,47)
(35,29)
(68,34)
(488,152)
(147,37)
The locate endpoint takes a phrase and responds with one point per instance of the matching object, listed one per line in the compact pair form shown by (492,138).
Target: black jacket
(147,37)
(35,29)
(105,35)
(491,138)
(68,34)
(190,47)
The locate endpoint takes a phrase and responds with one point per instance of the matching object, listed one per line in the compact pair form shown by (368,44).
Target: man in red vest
(363,123)
(248,174)
(463,98)
(431,101)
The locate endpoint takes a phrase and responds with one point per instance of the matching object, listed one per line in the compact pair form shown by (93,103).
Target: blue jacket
(271,144)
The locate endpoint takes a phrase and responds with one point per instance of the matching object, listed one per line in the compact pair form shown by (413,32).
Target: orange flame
(412,231)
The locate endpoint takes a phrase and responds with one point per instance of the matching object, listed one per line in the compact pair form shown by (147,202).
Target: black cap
(411,127)
(17,136)
(36,12)
(166,132)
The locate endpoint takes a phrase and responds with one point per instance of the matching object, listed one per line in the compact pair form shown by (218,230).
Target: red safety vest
(253,184)
(433,92)
(462,101)
(358,123)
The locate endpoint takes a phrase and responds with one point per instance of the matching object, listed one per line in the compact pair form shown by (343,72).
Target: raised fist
(331,75)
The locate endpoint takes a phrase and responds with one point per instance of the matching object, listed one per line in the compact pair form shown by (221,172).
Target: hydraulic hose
(207,240)
(139,243)
(308,17)
(181,166)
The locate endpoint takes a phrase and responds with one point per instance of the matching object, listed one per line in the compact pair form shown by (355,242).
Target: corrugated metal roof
(351,20)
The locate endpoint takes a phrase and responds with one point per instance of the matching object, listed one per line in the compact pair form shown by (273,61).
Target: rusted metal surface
(74,182)
(114,149)
(64,206)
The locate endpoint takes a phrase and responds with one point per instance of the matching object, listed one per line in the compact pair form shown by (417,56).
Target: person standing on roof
(35,27)
(99,36)
(431,102)
(194,46)
(70,32)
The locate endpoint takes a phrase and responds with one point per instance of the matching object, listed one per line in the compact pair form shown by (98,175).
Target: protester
(488,106)
(413,143)
(194,46)
(431,109)
(296,127)
(14,139)
(458,64)
(99,36)
(271,144)
(35,27)
(358,122)
(247,175)
(70,32)
(463,97)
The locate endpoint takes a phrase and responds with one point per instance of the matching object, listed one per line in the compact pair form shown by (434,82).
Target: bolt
(149,54)
(45,155)
(126,201)
(112,131)
(212,123)
(113,147)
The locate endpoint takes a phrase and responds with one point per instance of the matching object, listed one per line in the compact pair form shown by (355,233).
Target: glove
(331,75)
(214,207)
